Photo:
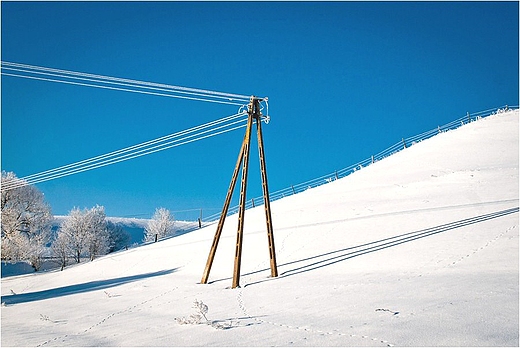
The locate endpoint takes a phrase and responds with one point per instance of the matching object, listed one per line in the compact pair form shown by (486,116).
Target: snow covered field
(419,249)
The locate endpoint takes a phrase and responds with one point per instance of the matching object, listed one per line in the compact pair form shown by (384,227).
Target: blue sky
(345,80)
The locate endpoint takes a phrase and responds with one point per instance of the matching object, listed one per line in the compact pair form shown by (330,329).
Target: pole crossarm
(254,114)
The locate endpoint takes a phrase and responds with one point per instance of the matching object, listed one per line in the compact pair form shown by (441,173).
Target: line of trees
(27,222)
(87,233)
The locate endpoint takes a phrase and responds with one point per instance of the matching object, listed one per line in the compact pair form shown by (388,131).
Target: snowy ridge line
(107,82)
(410,141)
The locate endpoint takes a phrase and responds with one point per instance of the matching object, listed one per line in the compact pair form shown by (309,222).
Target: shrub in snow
(196,318)
(201,308)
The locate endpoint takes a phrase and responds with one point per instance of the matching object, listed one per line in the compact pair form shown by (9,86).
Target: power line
(135,147)
(127,83)
(121,89)
(197,133)
(114,83)
(106,163)
(10,65)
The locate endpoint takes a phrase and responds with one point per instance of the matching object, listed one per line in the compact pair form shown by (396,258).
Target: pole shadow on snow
(78,288)
(332,257)
(395,213)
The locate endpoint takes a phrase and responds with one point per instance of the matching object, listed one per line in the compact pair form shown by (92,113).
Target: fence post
(293,190)
(469,118)
(253,202)
(404,143)
(439,128)
(372,159)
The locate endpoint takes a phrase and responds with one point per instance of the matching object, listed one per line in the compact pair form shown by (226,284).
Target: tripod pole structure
(243,161)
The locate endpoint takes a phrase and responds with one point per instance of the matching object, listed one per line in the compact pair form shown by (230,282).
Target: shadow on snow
(78,288)
(332,257)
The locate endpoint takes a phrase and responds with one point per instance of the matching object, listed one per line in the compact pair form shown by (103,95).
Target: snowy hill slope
(419,249)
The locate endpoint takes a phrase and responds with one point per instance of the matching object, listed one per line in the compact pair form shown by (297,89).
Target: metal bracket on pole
(254,113)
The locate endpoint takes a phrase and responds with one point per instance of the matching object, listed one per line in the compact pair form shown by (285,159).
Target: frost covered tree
(85,233)
(26,221)
(72,234)
(99,238)
(160,226)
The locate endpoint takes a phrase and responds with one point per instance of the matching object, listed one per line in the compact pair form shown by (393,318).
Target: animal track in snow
(488,243)
(243,308)
(128,309)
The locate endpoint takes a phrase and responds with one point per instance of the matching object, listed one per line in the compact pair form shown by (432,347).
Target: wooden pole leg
(267,204)
(223,215)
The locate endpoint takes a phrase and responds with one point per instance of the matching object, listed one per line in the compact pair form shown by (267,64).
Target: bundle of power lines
(210,129)
(119,84)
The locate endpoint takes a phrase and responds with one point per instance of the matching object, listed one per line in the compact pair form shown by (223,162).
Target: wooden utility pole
(243,160)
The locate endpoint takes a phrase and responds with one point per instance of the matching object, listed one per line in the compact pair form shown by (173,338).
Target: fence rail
(338,174)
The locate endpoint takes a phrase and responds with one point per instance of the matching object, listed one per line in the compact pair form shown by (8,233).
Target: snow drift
(419,249)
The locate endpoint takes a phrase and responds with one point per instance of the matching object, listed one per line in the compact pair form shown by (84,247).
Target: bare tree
(26,221)
(160,226)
